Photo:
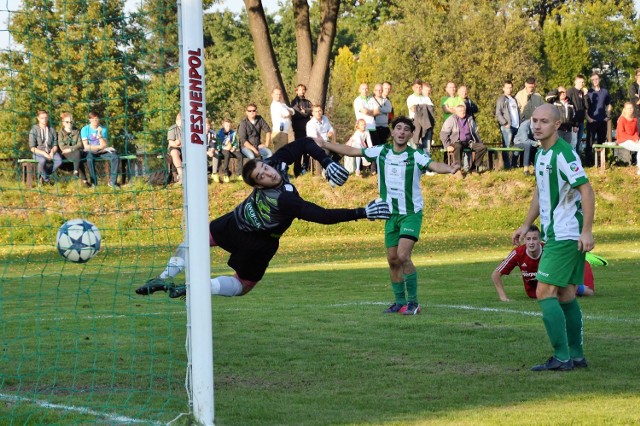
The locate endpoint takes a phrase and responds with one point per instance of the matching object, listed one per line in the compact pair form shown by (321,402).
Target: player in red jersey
(526,257)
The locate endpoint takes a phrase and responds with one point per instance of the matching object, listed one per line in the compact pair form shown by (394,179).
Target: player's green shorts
(402,226)
(561,264)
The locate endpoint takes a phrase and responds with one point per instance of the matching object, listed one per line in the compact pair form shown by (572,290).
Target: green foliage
(342,87)
(566,52)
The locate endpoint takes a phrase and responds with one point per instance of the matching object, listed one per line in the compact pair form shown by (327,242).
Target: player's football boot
(580,363)
(395,308)
(177,291)
(412,309)
(554,364)
(153,285)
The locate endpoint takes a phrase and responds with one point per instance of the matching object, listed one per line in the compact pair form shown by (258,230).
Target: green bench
(497,152)
(600,151)
(28,167)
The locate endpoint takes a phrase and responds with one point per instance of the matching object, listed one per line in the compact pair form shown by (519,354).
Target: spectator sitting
(459,132)
(70,146)
(95,140)
(249,132)
(43,143)
(567,112)
(627,130)
(174,137)
(527,257)
(361,140)
(228,145)
(524,140)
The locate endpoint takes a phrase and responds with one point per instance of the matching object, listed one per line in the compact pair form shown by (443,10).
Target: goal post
(196,207)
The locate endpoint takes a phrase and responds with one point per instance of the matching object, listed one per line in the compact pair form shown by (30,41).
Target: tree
(317,68)
(566,53)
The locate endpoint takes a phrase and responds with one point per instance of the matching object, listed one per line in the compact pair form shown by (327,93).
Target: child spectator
(360,139)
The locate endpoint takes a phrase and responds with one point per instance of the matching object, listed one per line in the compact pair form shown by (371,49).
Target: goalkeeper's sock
(573,317)
(399,293)
(411,281)
(176,263)
(226,286)
(556,326)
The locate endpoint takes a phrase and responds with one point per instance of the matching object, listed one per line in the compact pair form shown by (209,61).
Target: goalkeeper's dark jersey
(272,210)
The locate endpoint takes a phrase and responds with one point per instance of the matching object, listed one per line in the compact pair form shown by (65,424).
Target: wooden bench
(497,152)
(28,167)
(600,151)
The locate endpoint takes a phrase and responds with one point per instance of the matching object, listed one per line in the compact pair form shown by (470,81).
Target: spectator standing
(424,121)
(366,109)
(578,97)
(95,141)
(386,93)
(627,130)
(528,99)
(415,98)
(567,116)
(525,140)
(382,117)
(174,138)
(459,132)
(508,116)
(472,107)
(70,146)
(43,143)
(449,101)
(302,114)
(597,117)
(280,119)
(250,130)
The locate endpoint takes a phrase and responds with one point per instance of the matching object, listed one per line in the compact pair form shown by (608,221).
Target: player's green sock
(573,317)
(556,326)
(411,281)
(399,293)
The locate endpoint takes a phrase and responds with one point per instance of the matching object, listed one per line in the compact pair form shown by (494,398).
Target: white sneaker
(428,173)
(638,172)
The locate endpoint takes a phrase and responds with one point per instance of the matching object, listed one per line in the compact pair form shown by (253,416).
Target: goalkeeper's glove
(336,174)
(378,209)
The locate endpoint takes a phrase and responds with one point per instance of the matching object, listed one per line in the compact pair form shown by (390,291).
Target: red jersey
(529,267)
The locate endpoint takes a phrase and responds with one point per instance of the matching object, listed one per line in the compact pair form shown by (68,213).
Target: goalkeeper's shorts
(250,252)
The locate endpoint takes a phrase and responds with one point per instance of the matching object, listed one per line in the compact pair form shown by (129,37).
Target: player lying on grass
(251,232)
(526,257)
(399,170)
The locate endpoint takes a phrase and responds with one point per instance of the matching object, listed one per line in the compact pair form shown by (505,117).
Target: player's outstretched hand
(378,209)
(336,174)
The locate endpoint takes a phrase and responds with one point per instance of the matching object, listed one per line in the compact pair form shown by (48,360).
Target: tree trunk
(265,55)
(318,81)
(303,41)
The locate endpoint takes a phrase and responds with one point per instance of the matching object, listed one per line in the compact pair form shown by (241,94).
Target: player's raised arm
(347,150)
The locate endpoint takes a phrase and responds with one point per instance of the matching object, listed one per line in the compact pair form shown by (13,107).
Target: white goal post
(196,207)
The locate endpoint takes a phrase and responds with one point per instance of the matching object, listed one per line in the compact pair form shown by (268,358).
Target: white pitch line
(113,418)
(500,310)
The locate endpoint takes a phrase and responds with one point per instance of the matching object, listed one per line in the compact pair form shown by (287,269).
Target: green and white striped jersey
(558,173)
(399,176)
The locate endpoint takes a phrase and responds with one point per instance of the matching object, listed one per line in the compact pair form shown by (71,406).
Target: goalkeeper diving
(251,232)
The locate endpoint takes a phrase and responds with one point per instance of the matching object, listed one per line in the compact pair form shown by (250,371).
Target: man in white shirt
(415,98)
(280,119)
(319,126)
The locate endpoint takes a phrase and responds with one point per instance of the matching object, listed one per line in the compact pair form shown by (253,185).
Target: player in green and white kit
(564,200)
(399,171)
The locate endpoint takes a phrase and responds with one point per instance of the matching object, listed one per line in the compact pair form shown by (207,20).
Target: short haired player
(564,200)
(399,170)
(251,232)
(526,257)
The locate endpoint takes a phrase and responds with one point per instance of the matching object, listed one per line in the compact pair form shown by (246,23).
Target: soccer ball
(78,240)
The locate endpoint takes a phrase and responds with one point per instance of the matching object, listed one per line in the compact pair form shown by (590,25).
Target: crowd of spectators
(581,109)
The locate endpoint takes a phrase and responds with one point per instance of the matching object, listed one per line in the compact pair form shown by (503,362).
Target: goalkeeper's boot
(153,285)
(178,291)
(412,309)
(395,308)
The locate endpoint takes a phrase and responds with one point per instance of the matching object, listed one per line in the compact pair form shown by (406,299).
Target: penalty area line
(111,418)
(498,310)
